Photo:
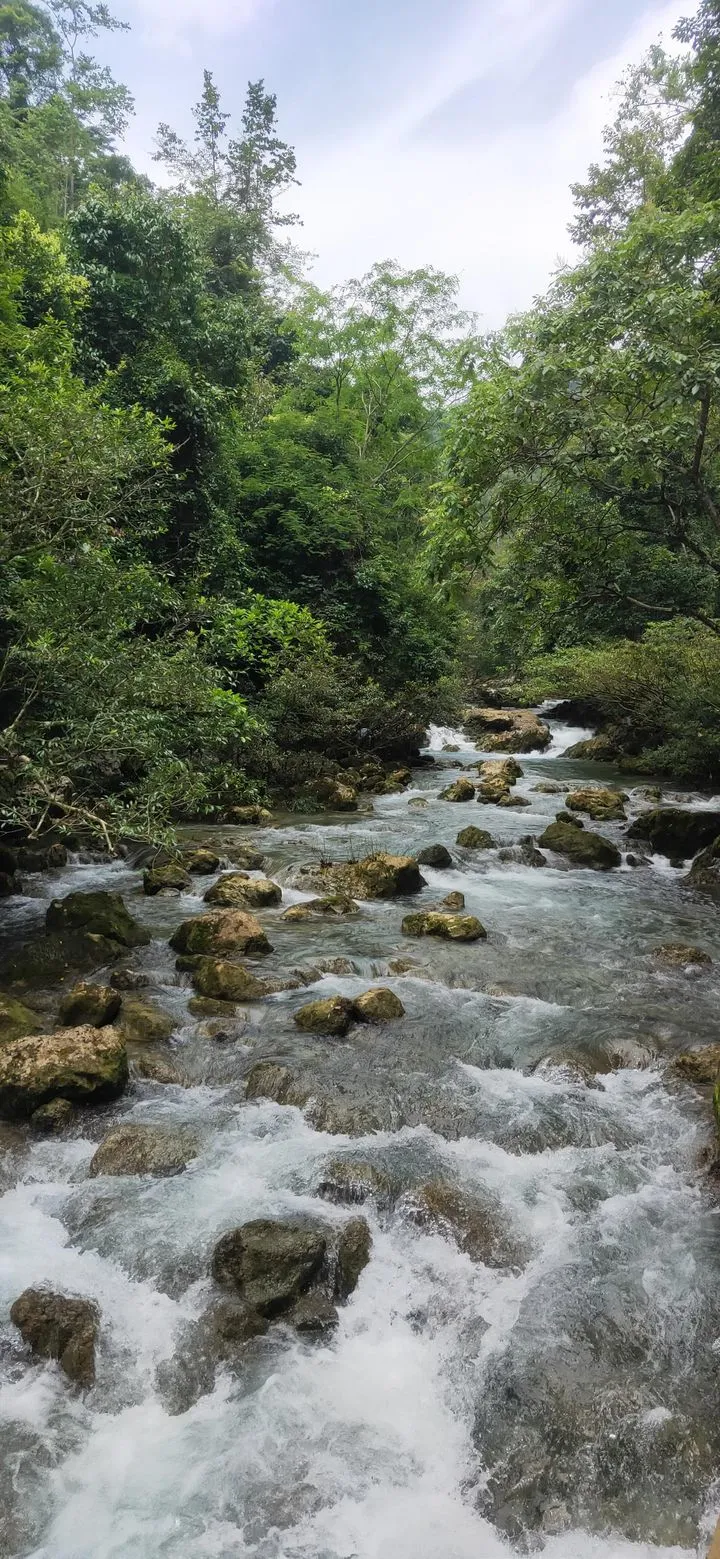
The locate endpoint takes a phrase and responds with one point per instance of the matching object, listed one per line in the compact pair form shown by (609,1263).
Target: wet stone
(85,1065)
(224,931)
(57,1327)
(462,790)
(100,914)
(475,839)
(269,1264)
(143,1150)
(353,1254)
(378,1006)
(453,928)
(142,1023)
(236,890)
(163,879)
(675,955)
(88,1003)
(53,1118)
(435,855)
(332,1016)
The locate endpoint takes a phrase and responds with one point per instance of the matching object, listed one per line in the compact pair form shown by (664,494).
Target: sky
(433,132)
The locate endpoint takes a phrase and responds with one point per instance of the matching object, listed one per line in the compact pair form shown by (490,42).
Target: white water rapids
(565,1404)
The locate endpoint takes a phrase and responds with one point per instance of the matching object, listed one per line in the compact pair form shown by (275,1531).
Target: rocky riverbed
(358,1173)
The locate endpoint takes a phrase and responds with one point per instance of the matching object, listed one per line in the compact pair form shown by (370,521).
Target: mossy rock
(348,1180)
(378,1006)
(142,1023)
(601,804)
(452,928)
(201,862)
(699,1066)
(270,1080)
(462,790)
(378,876)
(84,1065)
(249,816)
(143,1150)
(436,855)
(581,847)
(599,749)
(270,1264)
(57,1327)
(227,982)
(353,1253)
(225,931)
(506,770)
(237,889)
(88,1003)
(677,832)
(16,1020)
(99,914)
(333,905)
(475,839)
(677,955)
(161,879)
(331,1017)
(704,874)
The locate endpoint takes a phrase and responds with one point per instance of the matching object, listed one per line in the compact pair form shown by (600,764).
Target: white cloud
(493,207)
(163,21)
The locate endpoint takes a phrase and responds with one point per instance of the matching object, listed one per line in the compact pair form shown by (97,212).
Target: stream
(562,1401)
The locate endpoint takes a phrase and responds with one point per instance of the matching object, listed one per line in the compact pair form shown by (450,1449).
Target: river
(564,1401)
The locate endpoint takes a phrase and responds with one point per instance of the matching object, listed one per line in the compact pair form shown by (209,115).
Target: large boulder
(378,876)
(86,1065)
(704,874)
(475,839)
(676,831)
(269,1264)
(580,846)
(249,816)
(88,1003)
(15,1019)
(378,1006)
(245,856)
(508,730)
(453,928)
(462,790)
(270,1080)
(491,792)
(332,1016)
(237,889)
(699,1066)
(435,855)
(223,981)
(599,802)
(56,1327)
(507,770)
(100,914)
(225,931)
(163,879)
(598,749)
(144,1150)
(142,1023)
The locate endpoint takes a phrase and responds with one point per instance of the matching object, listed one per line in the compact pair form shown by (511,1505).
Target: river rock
(162,879)
(337,966)
(101,914)
(435,855)
(52,1118)
(378,1006)
(524,853)
(704,874)
(341,798)
(244,856)
(334,904)
(462,790)
(473,1221)
(378,876)
(269,1264)
(506,770)
(332,1016)
(580,846)
(88,1003)
(16,1019)
(508,800)
(677,832)
(491,792)
(129,980)
(475,839)
(270,1080)
(547,788)
(699,1066)
(454,901)
(508,730)
(201,862)
(599,749)
(354,1180)
(237,889)
(313,1315)
(224,931)
(249,816)
(600,803)
(675,955)
(85,1065)
(227,981)
(142,1023)
(143,1150)
(353,1254)
(159,1069)
(570,819)
(56,1327)
(453,928)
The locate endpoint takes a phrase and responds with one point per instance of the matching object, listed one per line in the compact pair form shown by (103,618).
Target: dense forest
(250,530)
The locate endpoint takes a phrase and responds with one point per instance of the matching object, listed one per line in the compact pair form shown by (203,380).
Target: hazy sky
(431,131)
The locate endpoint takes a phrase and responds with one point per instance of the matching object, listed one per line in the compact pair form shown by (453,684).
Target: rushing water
(564,1403)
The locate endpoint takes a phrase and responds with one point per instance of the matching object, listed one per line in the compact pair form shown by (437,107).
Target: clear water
(565,1405)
